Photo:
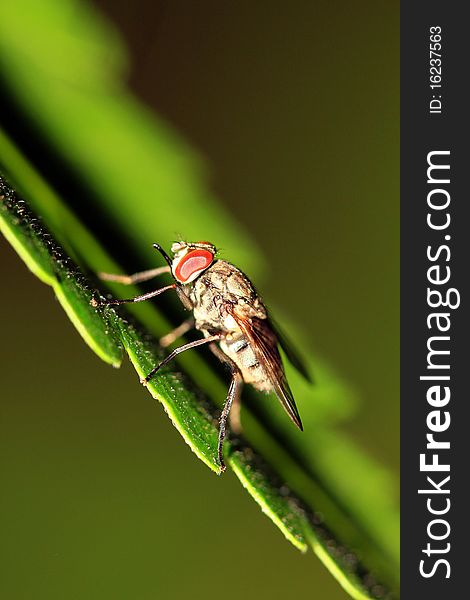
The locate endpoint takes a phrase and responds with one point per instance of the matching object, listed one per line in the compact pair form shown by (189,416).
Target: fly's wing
(291,353)
(264,342)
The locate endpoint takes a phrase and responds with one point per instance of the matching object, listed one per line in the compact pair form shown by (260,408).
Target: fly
(233,320)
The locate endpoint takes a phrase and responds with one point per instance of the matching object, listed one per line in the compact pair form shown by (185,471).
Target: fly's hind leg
(179,331)
(232,402)
(234,392)
(234,416)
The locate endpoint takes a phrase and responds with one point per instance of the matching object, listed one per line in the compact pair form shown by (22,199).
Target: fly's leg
(232,402)
(234,416)
(233,393)
(177,351)
(141,298)
(179,331)
(135,277)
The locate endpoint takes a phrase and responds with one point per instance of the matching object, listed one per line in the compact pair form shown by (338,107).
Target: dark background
(296,109)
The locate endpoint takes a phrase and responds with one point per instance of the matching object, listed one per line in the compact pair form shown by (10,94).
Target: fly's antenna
(164,254)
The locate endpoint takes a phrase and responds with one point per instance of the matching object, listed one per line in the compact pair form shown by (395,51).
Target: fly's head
(190,260)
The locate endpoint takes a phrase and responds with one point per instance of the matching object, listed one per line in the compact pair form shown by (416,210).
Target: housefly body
(233,320)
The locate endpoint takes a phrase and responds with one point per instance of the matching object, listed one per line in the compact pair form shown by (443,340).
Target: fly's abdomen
(239,350)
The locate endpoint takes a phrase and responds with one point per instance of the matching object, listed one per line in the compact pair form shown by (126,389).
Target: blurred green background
(296,110)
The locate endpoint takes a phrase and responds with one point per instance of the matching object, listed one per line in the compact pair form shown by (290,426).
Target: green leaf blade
(273,499)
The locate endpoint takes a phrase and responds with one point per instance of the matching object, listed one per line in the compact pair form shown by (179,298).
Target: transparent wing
(263,340)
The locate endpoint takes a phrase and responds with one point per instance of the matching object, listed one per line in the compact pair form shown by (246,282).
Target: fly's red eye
(194,261)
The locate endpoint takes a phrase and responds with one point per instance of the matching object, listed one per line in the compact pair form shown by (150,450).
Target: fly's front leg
(232,402)
(141,298)
(135,277)
(179,331)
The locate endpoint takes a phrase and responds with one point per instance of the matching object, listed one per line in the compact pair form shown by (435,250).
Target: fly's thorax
(220,289)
